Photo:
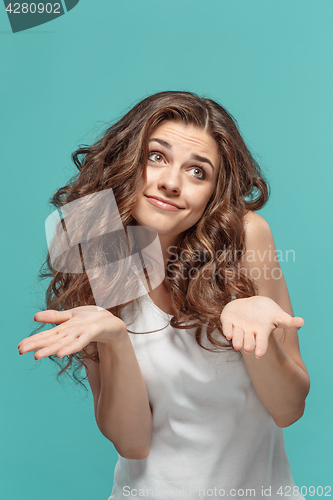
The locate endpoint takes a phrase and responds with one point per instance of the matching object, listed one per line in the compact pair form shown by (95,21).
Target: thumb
(52,316)
(286,321)
(298,322)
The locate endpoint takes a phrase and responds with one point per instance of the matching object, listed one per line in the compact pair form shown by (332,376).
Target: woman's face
(182,169)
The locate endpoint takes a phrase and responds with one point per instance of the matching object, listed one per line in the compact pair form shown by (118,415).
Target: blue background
(270,64)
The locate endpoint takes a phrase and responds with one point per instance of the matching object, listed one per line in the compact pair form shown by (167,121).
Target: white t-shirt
(211,435)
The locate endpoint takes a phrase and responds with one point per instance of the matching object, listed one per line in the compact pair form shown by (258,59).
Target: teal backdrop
(269,63)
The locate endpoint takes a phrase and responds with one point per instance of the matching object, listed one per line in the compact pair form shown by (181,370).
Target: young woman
(194,389)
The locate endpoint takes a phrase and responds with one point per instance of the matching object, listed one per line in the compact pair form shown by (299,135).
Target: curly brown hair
(118,161)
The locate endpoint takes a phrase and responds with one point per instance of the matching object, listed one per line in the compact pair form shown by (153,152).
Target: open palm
(250,321)
(75,329)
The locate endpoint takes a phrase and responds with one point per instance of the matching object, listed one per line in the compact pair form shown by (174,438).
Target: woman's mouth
(162,204)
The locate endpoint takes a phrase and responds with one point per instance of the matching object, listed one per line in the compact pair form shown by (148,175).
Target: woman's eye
(156,157)
(199,173)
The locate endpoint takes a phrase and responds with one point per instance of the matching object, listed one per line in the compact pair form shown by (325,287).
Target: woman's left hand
(249,322)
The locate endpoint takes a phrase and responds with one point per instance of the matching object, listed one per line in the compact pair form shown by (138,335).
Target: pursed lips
(162,203)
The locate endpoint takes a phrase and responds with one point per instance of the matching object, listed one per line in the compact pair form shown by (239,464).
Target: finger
(55,347)
(296,322)
(249,341)
(45,334)
(76,346)
(33,344)
(37,336)
(238,337)
(261,339)
(52,316)
(286,321)
(68,345)
(227,328)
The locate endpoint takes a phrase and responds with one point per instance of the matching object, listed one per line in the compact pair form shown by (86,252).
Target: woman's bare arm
(279,377)
(121,403)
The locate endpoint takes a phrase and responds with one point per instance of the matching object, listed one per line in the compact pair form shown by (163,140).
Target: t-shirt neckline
(162,313)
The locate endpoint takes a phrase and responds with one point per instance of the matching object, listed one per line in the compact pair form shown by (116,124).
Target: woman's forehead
(172,133)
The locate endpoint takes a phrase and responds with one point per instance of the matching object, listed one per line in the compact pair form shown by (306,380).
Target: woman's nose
(169,179)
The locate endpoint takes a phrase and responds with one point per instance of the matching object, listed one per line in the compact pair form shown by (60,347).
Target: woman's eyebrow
(193,156)
(160,141)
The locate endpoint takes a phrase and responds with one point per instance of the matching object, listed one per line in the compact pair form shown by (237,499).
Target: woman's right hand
(75,329)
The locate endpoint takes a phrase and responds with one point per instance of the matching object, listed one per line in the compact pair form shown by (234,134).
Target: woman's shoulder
(258,236)
(256,226)
(254,220)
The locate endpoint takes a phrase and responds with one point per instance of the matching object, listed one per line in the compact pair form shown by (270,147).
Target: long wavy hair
(204,272)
